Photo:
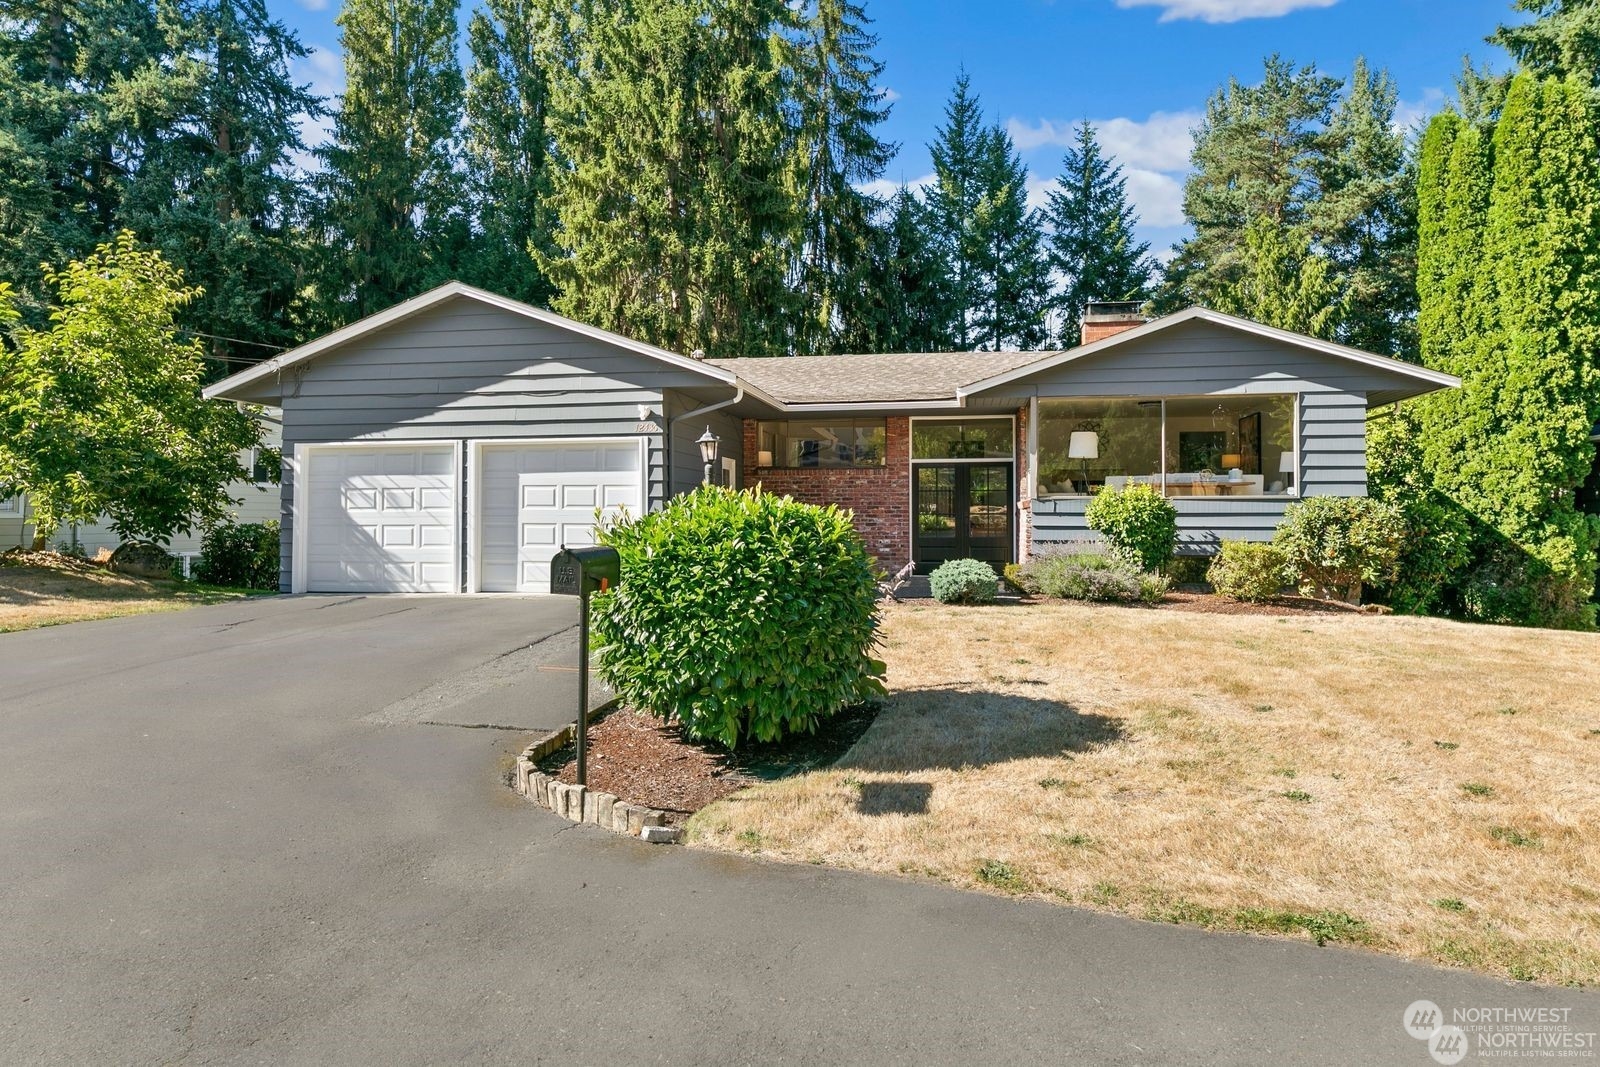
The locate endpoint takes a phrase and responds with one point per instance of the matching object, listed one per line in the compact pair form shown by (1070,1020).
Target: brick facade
(880,497)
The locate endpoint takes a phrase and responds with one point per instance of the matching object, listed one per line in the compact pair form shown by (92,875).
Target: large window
(822,443)
(962,439)
(1186,446)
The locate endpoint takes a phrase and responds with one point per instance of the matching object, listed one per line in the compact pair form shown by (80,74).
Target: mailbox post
(579,572)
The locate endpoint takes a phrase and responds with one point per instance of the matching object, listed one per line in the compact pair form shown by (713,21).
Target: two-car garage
(393,517)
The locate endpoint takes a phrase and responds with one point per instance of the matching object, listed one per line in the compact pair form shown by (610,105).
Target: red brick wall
(880,497)
(1099,331)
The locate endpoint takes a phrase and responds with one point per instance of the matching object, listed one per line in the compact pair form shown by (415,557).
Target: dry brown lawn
(1426,788)
(48,589)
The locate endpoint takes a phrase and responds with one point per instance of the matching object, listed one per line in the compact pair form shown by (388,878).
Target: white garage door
(381,520)
(534,498)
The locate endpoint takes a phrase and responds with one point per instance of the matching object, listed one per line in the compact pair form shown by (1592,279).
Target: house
(454,442)
(257,501)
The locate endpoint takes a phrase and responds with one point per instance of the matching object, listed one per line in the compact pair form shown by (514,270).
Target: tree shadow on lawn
(955,729)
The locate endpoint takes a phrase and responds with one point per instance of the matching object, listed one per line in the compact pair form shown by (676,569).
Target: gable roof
(1423,376)
(432,298)
(879,378)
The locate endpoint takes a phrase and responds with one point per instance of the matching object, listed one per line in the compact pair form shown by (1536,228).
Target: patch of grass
(1451,904)
(1000,875)
(1052,783)
(1104,893)
(1299,796)
(47,589)
(1510,835)
(1071,840)
(1262,708)
(1477,789)
(1448,746)
(1508,711)
(1321,926)
(750,839)
(1284,772)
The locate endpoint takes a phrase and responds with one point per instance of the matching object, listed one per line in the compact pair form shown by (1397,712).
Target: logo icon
(1448,1045)
(1422,1019)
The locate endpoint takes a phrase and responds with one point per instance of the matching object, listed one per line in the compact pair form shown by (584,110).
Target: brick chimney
(1103,318)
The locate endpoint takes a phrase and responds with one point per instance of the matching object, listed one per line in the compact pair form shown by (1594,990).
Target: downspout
(672,424)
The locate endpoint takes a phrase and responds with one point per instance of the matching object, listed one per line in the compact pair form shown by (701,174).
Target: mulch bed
(1211,604)
(645,761)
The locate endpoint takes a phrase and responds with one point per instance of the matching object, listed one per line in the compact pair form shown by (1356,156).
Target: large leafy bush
(1335,543)
(244,556)
(1140,524)
(740,615)
(1438,545)
(1248,570)
(963,581)
(1071,575)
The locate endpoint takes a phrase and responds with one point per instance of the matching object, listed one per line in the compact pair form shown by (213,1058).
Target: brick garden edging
(580,804)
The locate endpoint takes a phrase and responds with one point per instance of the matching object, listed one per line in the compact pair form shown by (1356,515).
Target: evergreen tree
(1256,155)
(1092,245)
(214,187)
(674,208)
(837,150)
(1364,218)
(911,310)
(958,152)
(1284,283)
(1012,274)
(1511,236)
(65,138)
(1562,41)
(513,43)
(392,217)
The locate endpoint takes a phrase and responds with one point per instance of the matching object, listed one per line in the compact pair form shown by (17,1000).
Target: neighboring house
(456,441)
(258,502)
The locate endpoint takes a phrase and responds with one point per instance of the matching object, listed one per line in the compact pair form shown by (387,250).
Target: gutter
(707,409)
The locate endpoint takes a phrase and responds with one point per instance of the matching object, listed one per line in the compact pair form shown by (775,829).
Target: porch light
(708,443)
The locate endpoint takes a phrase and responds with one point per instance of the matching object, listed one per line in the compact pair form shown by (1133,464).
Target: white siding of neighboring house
(258,503)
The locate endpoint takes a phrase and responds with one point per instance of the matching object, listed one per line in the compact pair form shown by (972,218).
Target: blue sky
(1139,69)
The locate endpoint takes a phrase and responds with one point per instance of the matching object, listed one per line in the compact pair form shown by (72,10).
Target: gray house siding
(468,371)
(683,453)
(1204,359)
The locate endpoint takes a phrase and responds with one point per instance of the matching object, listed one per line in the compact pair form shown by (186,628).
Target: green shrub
(1438,532)
(1140,524)
(1248,570)
(963,581)
(1188,570)
(1334,543)
(1091,576)
(739,614)
(244,556)
(1506,584)
(1011,574)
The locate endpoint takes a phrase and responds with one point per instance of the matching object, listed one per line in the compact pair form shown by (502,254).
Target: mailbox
(581,571)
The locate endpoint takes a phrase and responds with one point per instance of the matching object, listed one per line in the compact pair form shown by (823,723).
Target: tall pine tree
(958,152)
(1562,41)
(1013,293)
(837,150)
(214,187)
(513,45)
(909,306)
(393,214)
(1092,247)
(673,199)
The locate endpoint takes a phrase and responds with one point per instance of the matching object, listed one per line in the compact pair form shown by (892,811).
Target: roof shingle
(877,378)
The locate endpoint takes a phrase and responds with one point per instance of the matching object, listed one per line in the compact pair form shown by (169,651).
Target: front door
(961,511)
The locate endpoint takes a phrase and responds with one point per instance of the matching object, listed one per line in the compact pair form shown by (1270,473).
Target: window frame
(854,423)
(1291,491)
(911,438)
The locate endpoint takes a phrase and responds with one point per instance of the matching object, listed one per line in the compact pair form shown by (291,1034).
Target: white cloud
(889,95)
(1225,10)
(1153,153)
(314,5)
(1157,197)
(1411,114)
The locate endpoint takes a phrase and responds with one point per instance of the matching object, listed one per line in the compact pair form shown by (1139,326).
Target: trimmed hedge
(964,581)
(740,615)
(1140,524)
(244,556)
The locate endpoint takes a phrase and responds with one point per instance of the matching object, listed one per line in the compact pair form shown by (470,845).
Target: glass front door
(962,511)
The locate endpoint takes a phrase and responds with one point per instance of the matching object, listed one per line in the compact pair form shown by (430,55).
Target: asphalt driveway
(277,832)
